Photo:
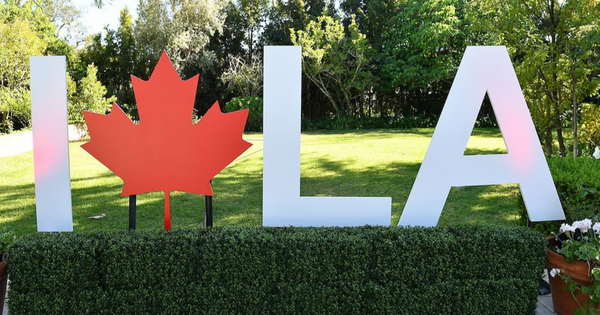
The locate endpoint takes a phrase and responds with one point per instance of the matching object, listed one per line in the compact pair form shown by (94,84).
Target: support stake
(208,210)
(132,206)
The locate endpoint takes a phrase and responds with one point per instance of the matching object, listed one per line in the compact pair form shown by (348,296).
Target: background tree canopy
(362,59)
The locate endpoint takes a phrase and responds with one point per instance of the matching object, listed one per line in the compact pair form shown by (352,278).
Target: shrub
(88,95)
(255,116)
(578,184)
(367,270)
(15,109)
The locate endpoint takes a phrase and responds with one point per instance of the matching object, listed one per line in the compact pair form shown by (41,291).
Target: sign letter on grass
(51,144)
(282,204)
(483,69)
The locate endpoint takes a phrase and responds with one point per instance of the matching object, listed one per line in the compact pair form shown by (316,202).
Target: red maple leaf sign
(166,151)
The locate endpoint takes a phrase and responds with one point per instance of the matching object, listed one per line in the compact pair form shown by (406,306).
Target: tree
(337,64)
(425,45)
(126,62)
(244,79)
(253,13)
(374,17)
(282,18)
(184,29)
(554,43)
(66,17)
(152,32)
(90,95)
(181,27)
(18,43)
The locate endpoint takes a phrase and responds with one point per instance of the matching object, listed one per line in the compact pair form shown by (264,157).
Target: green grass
(377,163)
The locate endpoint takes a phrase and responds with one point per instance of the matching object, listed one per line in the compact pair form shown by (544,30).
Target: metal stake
(132,205)
(208,210)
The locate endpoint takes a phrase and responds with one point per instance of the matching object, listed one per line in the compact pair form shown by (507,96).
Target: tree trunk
(575,111)
(559,137)
(548,141)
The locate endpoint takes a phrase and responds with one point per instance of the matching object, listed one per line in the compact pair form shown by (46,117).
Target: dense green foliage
(31,28)
(7,238)
(255,115)
(367,270)
(87,95)
(578,184)
(555,46)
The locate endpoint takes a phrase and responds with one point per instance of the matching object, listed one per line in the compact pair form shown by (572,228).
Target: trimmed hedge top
(367,270)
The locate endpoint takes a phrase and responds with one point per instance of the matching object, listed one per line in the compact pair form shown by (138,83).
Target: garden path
(22,141)
(544,304)
(16,143)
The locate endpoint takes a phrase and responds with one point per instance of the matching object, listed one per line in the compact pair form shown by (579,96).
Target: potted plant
(573,263)
(6,239)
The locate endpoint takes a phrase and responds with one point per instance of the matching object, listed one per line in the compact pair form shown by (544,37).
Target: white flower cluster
(554,272)
(596,153)
(584,225)
(566,228)
(596,227)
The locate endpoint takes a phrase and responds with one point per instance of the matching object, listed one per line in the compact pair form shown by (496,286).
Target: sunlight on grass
(370,163)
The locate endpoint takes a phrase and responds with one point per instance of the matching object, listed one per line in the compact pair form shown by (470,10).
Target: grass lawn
(377,163)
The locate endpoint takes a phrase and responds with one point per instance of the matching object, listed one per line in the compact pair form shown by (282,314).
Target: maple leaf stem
(167,210)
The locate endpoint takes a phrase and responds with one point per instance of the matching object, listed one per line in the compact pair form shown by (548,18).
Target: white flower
(584,225)
(566,228)
(596,153)
(596,227)
(554,272)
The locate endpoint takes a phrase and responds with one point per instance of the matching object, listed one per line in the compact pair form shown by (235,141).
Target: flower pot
(579,271)
(3,282)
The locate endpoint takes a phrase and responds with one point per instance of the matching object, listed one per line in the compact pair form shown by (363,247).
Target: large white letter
(51,144)
(483,69)
(282,204)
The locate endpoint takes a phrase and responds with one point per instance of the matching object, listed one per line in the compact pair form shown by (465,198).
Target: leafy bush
(367,270)
(578,184)
(255,116)
(15,109)
(6,239)
(88,95)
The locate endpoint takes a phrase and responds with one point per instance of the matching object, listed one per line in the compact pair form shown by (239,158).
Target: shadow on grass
(495,204)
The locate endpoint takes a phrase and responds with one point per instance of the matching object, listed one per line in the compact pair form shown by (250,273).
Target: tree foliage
(242,78)
(20,40)
(336,64)
(555,45)
(89,95)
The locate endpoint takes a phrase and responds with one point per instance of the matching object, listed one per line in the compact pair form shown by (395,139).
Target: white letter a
(483,69)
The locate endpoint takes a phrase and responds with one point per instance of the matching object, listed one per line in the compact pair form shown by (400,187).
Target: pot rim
(561,259)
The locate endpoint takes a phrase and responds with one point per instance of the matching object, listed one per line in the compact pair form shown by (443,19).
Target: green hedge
(577,182)
(367,270)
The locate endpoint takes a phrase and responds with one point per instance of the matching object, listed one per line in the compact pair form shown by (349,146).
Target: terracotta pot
(3,282)
(579,271)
